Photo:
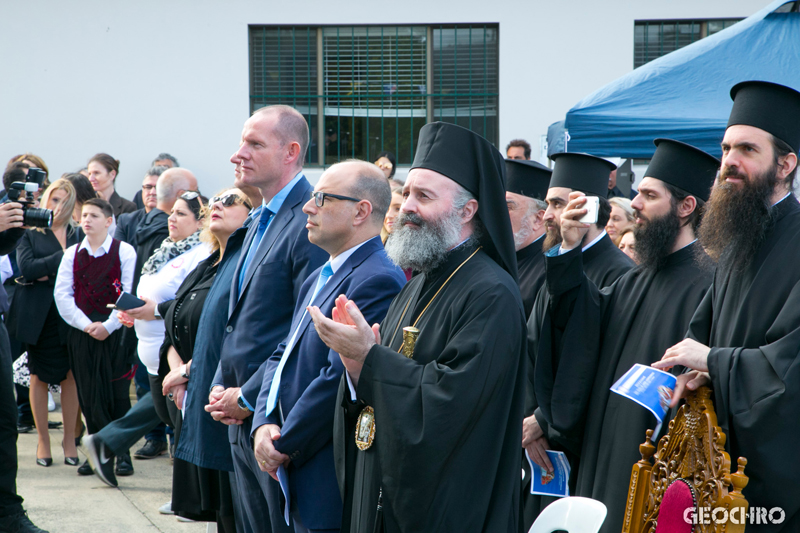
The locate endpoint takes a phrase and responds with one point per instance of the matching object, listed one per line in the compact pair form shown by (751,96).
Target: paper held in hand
(649,387)
(547,484)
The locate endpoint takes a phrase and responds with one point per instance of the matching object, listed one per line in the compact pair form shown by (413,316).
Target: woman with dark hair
(83,192)
(34,319)
(103,170)
(189,357)
(387,163)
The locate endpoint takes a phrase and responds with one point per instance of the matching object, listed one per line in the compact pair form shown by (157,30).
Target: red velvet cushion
(678,497)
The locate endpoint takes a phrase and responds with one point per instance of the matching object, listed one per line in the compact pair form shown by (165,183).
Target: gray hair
(156,170)
(292,127)
(161,157)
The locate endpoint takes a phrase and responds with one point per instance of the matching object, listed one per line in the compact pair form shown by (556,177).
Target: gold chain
(430,301)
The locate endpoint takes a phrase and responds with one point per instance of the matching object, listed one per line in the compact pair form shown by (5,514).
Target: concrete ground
(59,500)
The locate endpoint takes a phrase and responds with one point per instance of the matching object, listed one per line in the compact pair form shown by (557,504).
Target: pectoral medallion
(410,335)
(365,428)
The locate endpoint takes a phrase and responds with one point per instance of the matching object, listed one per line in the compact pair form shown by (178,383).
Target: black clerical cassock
(594,336)
(445,453)
(751,321)
(531,179)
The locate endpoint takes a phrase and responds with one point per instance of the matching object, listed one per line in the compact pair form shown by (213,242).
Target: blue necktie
(263,222)
(272,398)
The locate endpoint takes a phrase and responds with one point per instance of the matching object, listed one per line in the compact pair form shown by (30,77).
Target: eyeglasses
(148,187)
(319,198)
(190,195)
(228,200)
(384,166)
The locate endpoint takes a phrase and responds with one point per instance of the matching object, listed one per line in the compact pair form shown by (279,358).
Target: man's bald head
(171,184)
(291,127)
(367,182)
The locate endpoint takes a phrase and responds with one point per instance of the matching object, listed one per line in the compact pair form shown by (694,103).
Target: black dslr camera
(22,193)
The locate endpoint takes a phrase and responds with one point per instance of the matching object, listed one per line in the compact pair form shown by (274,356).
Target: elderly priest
(427,434)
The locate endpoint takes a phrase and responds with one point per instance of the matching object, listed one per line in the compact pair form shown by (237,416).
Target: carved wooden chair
(690,469)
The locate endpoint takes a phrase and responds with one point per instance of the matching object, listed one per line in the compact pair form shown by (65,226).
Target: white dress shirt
(160,287)
(64,294)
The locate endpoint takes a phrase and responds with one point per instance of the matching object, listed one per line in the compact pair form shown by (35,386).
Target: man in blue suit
(276,258)
(293,423)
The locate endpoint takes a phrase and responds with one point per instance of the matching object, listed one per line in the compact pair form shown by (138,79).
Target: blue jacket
(204,441)
(259,317)
(311,376)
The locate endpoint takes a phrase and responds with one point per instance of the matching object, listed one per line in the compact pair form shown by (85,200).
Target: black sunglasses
(319,198)
(228,200)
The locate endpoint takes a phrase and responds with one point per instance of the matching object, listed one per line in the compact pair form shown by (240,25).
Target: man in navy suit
(276,258)
(293,423)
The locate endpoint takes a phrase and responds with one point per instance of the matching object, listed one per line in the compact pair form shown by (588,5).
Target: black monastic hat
(683,166)
(527,178)
(768,106)
(471,161)
(581,172)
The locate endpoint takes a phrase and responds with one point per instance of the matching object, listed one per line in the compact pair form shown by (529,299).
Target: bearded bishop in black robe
(445,453)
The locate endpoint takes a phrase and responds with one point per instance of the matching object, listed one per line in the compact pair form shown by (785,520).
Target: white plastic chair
(573,514)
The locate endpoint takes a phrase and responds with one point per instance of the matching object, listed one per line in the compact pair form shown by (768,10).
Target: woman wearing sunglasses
(194,323)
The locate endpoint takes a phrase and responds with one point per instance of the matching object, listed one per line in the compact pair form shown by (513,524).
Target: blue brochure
(547,484)
(649,387)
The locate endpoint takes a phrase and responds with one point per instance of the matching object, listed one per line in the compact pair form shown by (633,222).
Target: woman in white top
(164,272)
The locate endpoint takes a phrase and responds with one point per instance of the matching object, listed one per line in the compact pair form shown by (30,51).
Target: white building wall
(137,78)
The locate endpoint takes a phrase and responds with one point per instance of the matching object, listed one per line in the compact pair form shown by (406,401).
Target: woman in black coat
(200,493)
(34,319)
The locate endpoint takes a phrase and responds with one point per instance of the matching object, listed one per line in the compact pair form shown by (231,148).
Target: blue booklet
(649,387)
(550,484)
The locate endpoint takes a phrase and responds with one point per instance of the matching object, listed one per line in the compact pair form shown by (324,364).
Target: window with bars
(655,38)
(369,89)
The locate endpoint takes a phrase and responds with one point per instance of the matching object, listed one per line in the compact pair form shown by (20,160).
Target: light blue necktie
(263,222)
(272,398)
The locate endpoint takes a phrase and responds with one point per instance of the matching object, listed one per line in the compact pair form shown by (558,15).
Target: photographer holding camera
(12,515)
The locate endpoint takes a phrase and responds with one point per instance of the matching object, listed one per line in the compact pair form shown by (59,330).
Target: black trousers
(10,501)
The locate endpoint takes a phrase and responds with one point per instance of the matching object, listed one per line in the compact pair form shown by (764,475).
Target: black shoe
(54,424)
(25,427)
(44,461)
(124,466)
(85,469)
(19,523)
(151,449)
(102,458)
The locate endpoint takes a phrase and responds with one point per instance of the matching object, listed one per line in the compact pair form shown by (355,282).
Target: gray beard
(424,248)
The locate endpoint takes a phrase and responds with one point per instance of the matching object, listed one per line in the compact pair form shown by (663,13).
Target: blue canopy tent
(684,95)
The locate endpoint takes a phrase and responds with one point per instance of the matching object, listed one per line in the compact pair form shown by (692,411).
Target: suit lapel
(325,294)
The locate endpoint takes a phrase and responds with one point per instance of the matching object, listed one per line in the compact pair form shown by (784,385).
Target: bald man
(345,216)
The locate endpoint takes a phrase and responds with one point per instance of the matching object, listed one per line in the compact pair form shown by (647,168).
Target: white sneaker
(51,403)
(166,508)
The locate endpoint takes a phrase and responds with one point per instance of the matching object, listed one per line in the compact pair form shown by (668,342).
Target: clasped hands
(97,330)
(223,404)
(346,333)
(269,459)
(692,355)
(535,443)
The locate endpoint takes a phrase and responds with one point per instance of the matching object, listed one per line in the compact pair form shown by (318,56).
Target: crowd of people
(367,355)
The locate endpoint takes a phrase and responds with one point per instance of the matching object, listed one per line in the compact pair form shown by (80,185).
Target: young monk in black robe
(745,336)
(603,264)
(430,441)
(605,332)
(526,188)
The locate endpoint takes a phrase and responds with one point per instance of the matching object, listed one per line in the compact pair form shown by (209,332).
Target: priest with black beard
(744,338)
(603,333)
(526,188)
(427,434)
